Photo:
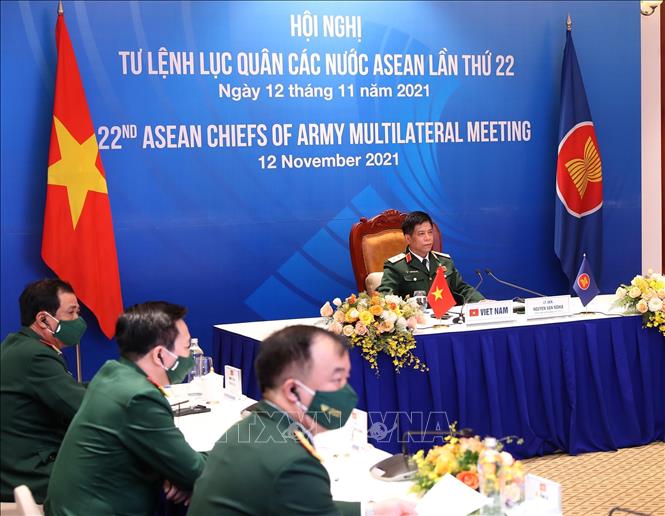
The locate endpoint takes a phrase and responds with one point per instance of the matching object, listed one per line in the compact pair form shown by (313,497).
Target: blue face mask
(179,370)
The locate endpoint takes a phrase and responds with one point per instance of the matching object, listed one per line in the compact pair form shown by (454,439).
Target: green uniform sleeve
(54,386)
(152,436)
(304,488)
(390,280)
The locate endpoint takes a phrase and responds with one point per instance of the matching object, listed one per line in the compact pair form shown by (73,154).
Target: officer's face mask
(69,332)
(179,370)
(330,409)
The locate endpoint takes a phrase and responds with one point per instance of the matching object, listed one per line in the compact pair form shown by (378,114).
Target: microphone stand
(490,273)
(460,318)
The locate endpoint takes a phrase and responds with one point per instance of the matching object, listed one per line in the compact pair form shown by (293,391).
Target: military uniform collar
(272,411)
(433,259)
(29,332)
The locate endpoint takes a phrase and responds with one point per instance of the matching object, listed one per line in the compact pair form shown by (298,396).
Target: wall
(208,227)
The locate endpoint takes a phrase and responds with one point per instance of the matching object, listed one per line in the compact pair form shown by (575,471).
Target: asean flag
(78,242)
(579,177)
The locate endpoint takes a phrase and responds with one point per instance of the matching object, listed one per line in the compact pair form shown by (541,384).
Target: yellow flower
(351,315)
(366,317)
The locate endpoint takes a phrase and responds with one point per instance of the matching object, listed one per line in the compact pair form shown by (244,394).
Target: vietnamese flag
(439,297)
(78,242)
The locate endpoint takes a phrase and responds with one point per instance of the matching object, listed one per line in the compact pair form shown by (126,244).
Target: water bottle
(195,373)
(489,477)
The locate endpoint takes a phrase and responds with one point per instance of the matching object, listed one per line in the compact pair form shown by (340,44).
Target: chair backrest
(373,241)
(26,503)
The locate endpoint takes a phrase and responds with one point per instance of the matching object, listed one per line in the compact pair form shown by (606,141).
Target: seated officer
(266,464)
(123,445)
(415,268)
(38,396)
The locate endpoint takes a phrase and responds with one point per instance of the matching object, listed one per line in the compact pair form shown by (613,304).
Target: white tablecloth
(600,307)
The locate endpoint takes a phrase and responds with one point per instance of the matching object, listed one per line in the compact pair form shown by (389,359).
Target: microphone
(460,318)
(490,273)
(400,466)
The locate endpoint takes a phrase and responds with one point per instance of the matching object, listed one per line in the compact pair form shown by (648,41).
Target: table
(348,468)
(588,382)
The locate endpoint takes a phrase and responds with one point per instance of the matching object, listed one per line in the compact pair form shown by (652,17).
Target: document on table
(457,498)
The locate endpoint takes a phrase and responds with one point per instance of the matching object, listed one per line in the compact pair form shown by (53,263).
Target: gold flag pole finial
(569,23)
(60,9)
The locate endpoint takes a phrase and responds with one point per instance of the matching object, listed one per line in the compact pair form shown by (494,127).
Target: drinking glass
(202,366)
(421,299)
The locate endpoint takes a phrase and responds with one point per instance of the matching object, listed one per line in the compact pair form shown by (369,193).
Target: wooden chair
(373,241)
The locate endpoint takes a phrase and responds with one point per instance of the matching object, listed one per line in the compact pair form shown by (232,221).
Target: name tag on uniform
(489,312)
(551,306)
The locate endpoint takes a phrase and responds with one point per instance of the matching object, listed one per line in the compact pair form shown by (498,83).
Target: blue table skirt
(575,386)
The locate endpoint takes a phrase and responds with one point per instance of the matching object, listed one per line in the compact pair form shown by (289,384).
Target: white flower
(337,302)
(621,293)
(642,306)
(655,304)
(389,315)
(347,330)
(391,298)
(507,458)
(634,292)
(401,324)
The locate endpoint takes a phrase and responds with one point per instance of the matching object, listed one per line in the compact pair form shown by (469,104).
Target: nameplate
(546,490)
(489,312)
(233,384)
(551,306)
(358,426)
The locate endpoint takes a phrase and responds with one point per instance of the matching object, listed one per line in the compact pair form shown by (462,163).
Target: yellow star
(76,170)
(438,294)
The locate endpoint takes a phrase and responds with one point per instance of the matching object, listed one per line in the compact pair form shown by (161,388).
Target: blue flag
(585,285)
(578,226)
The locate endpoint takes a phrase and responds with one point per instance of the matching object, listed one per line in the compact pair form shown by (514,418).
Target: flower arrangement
(377,323)
(459,457)
(645,295)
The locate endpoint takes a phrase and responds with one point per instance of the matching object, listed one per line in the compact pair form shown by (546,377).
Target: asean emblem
(583,281)
(579,174)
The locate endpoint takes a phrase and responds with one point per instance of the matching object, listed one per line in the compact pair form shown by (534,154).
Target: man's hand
(393,507)
(175,494)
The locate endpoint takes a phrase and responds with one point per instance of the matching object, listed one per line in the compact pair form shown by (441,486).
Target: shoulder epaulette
(445,255)
(397,258)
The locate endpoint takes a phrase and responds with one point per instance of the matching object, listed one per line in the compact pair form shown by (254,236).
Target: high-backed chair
(373,241)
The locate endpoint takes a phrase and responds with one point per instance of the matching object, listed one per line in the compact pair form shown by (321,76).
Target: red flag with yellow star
(78,242)
(439,297)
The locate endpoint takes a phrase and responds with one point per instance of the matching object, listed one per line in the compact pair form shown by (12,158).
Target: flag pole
(79,375)
(569,21)
(60,9)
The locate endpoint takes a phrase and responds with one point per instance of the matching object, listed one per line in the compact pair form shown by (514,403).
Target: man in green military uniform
(38,396)
(123,445)
(415,268)
(267,464)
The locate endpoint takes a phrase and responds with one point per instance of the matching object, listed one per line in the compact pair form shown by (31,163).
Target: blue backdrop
(207,226)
